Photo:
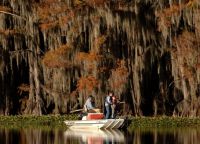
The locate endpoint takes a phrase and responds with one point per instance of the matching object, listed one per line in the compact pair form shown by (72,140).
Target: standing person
(89,104)
(108,102)
(113,106)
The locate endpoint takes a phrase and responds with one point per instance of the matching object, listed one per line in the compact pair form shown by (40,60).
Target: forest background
(55,52)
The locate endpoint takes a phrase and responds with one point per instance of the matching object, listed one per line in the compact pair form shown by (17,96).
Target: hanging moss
(51,46)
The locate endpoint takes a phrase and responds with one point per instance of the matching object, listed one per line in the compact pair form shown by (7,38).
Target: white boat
(113,124)
(95,124)
(95,120)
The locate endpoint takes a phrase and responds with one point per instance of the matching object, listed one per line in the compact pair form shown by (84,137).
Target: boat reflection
(96,136)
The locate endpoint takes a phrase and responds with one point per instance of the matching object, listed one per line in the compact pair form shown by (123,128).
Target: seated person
(89,105)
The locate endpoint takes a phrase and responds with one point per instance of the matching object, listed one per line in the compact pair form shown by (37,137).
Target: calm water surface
(138,136)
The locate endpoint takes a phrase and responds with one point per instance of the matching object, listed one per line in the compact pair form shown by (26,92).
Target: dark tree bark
(53,54)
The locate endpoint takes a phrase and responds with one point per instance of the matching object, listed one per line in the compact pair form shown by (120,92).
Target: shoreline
(56,121)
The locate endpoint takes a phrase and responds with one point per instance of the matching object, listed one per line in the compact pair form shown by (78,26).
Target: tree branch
(12,14)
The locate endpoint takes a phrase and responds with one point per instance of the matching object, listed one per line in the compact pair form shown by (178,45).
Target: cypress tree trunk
(54,53)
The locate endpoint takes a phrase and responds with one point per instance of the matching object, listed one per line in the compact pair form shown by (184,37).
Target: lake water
(138,136)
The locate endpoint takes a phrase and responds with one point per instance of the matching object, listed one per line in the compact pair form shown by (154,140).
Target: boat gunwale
(99,123)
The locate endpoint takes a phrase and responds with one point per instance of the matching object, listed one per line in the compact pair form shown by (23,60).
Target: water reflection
(92,136)
(137,136)
(164,136)
(31,136)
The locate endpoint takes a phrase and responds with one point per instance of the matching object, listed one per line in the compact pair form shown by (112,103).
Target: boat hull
(95,124)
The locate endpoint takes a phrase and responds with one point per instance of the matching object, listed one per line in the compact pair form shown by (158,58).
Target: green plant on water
(164,122)
(54,121)
(57,121)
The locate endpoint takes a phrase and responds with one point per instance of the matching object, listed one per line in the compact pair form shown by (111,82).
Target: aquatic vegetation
(164,122)
(47,121)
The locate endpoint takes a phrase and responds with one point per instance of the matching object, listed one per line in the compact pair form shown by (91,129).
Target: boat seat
(95,116)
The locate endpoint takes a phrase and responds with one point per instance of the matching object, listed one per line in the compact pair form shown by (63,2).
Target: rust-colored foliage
(196,19)
(119,76)
(175,8)
(9,32)
(96,2)
(89,57)
(99,41)
(50,8)
(57,58)
(49,25)
(88,60)
(164,16)
(187,71)
(5,9)
(186,44)
(198,65)
(186,54)
(62,20)
(74,93)
(88,83)
(103,69)
(48,12)
(91,3)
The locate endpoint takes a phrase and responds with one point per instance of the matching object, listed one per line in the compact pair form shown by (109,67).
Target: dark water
(60,136)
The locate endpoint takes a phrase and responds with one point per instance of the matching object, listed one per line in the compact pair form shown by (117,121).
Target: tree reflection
(136,136)
(164,136)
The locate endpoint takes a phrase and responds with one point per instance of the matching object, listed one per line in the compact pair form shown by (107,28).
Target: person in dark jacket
(113,106)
